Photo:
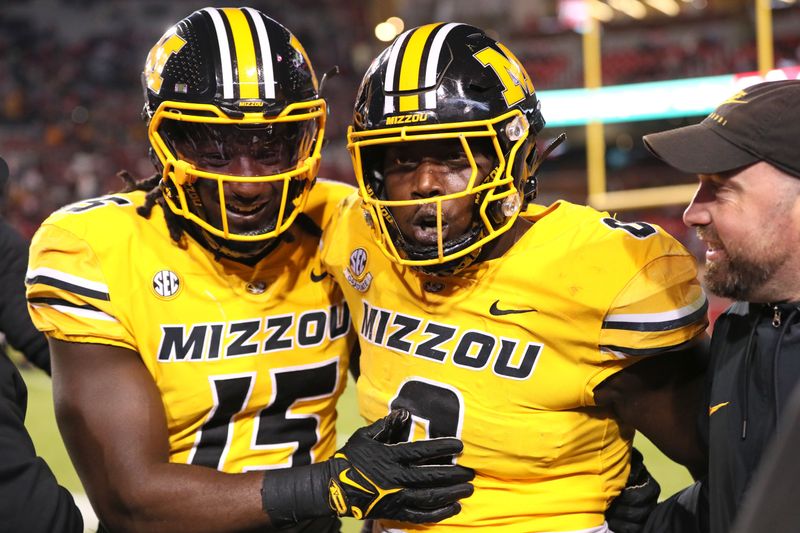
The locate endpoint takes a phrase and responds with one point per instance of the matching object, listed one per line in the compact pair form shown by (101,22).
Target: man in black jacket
(31,499)
(15,323)
(747,212)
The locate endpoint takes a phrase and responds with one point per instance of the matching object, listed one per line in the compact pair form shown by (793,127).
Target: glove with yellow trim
(374,476)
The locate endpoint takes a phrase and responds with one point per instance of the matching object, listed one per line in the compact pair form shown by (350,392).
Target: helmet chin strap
(447,268)
(248,253)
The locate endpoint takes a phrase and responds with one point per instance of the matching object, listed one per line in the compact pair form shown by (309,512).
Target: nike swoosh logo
(316,278)
(714,408)
(496,311)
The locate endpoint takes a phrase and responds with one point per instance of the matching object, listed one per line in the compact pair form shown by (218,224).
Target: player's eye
(456,159)
(214,159)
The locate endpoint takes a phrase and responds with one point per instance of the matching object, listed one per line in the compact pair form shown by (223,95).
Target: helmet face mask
(445,83)
(430,193)
(235,122)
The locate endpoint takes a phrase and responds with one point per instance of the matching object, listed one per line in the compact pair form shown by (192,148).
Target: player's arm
(662,397)
(110,415)
(112,420)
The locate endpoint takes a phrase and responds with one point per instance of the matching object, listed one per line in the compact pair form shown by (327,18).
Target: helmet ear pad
(522,170)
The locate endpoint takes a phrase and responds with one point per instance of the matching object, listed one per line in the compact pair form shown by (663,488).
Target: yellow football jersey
(506,355)
(249,361)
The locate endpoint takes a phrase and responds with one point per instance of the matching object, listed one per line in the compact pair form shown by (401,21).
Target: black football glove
(629,511)
(373,476)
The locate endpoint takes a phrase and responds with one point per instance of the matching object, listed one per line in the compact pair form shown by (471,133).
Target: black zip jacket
(754,366)
(15,323)
(31,500)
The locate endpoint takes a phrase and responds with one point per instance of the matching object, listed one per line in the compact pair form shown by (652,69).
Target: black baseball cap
(759,123)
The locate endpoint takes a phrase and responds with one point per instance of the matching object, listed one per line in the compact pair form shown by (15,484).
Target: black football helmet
(233,75)
(447,81)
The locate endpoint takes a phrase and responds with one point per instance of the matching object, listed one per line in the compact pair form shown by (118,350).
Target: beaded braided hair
(152,186)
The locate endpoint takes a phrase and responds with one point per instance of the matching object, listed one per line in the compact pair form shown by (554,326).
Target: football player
(198,351)
(541,336)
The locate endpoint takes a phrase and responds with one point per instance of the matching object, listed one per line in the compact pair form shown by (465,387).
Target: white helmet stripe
(224,50)
(266,53)
(391,67)
(433,62)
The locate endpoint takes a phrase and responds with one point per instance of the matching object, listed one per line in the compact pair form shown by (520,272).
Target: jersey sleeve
(68,295)
(662,308)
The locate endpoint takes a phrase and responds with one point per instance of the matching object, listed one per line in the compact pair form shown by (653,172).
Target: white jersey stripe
(391,68)
(68,278)
(433,62)
(77,311)
(266,53)
(224,50)
(665,316)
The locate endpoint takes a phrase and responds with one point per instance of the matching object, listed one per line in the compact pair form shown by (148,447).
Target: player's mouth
(424,228)
(247,214)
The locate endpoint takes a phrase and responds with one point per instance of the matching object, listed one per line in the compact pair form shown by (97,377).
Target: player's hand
(629,511)
(375,476)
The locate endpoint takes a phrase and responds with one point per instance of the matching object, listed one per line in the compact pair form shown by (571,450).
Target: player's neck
(501,245)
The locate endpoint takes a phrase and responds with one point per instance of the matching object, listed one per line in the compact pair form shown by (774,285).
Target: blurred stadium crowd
(71,95)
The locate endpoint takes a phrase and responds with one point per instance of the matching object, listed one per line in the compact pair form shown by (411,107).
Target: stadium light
(600,11)
(668,7)
(385,31)
(397,23)
(632,8)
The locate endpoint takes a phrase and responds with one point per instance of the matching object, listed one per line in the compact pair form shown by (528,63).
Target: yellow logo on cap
(736,98)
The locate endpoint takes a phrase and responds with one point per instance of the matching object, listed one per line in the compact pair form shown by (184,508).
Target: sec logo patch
(166,284)
(356,272)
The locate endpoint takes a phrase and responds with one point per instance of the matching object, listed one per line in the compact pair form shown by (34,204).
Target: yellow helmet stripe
(433,63)
(224,50)
(265,52)
(410,66)
(246,64)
